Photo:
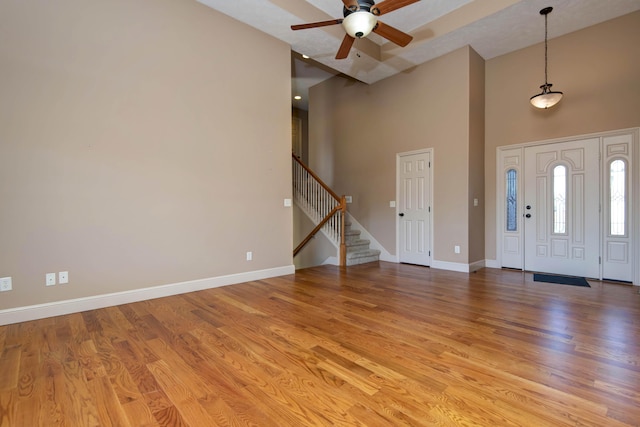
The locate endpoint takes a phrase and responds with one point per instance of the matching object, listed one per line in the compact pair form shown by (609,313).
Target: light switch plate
(50,279)
(63,277)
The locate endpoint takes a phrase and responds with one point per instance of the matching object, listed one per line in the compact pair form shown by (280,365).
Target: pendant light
(547,98)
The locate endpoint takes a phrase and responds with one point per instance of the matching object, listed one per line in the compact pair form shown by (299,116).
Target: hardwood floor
(375,345)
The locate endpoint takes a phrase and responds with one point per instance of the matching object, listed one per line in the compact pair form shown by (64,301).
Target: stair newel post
(343,245)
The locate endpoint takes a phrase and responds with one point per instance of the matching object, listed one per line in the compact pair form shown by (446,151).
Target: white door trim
(635,196)
(429,151)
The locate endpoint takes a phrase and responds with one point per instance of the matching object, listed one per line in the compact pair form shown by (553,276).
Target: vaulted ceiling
(491,27)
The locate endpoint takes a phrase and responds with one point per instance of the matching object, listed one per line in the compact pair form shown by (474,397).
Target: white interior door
(562,208)
(414,208)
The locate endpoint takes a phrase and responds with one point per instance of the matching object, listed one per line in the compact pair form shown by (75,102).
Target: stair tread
(363,260)
(363,253)
(358,242)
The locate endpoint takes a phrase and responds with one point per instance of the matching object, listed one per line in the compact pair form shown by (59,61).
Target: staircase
(328,212)
(358,251)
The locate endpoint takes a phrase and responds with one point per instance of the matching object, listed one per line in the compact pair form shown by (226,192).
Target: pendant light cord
(545,48)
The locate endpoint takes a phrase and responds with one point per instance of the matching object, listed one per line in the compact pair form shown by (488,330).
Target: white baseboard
(58,308)
(385,256)
(332,260)
(458,266)
(492,263)
(475,266)
(451,266)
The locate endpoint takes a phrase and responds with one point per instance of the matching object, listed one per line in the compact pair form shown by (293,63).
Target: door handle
(401,214)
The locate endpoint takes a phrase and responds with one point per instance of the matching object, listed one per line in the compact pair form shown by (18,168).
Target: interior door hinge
(429,209)
(599,260)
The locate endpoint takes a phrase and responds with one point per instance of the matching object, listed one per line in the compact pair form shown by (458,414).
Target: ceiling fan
(360,19)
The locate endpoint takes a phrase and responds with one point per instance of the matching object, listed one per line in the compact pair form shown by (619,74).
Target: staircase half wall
(320,250)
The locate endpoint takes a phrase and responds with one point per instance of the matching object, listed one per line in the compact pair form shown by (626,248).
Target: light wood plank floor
(375,345)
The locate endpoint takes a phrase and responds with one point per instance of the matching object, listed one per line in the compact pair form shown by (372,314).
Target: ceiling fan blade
(316,24)
(352,5)
(387,6)
(392,34)
(345,47)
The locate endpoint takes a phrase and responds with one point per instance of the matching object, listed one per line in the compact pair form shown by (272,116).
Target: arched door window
(617,198)
(560,199)
(512,199)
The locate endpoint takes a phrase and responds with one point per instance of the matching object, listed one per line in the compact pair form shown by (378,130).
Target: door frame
(429,151)
(634,202)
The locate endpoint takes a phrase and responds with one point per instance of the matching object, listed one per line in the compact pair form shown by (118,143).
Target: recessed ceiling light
(297,97)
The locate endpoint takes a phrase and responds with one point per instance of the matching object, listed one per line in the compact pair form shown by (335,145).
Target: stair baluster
(320,203)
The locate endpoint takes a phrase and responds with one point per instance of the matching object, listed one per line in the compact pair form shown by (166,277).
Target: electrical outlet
(249,256)
(5,284)
(50,279)
(456,249)
(63,277)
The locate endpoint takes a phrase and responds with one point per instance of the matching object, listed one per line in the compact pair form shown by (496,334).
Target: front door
(414,207)
(561,208)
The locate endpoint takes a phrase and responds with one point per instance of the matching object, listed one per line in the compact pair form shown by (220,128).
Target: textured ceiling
(491,27)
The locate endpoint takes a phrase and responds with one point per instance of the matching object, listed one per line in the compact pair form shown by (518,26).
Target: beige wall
(137,147)
(597,68)
(356,130)
(476,157)
(303,115)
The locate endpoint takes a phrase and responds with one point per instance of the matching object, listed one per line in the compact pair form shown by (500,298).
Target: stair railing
(325,208)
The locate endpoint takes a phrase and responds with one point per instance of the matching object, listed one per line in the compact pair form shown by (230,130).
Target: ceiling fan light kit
(359,24)
(360,19)
(547,98)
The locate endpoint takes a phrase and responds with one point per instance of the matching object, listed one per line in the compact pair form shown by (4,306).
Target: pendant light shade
(359,24)
(547,98)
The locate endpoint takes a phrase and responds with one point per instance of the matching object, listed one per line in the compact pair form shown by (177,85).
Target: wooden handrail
(317,178)
(316,229)
(341,207)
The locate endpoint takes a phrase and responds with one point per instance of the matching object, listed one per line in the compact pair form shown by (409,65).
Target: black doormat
(562,280)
